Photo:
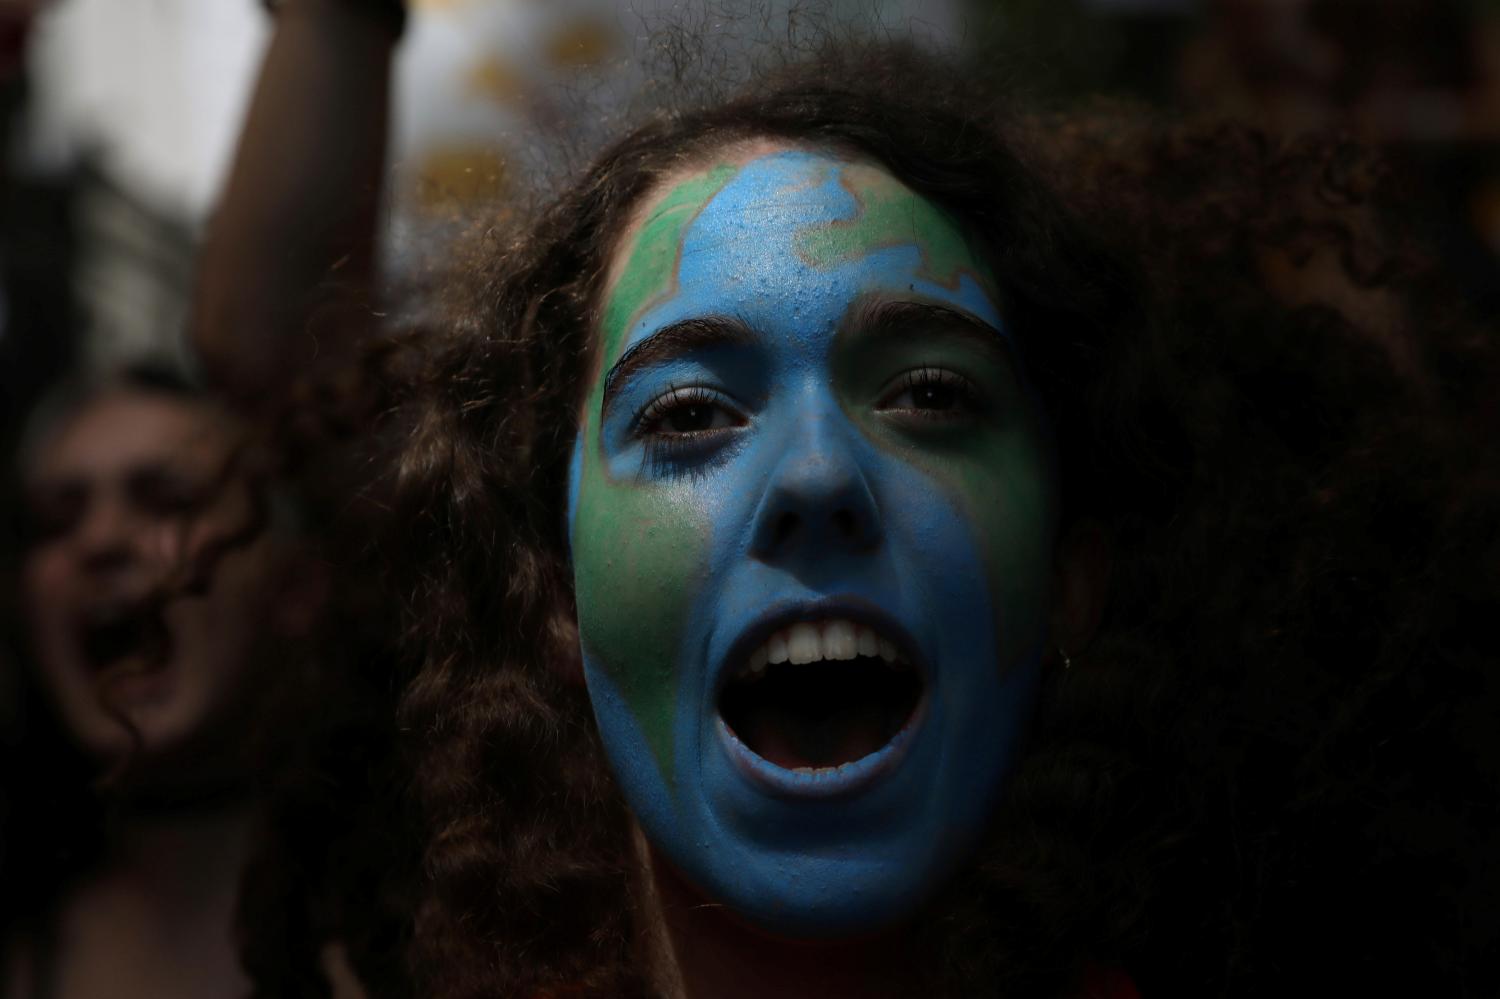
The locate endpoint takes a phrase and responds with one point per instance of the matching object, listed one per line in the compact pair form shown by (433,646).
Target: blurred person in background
(163,589)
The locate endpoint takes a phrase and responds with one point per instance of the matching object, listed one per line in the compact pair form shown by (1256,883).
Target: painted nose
(818,500)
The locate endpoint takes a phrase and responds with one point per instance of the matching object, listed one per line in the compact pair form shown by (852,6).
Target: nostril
(784,528)
(815,504)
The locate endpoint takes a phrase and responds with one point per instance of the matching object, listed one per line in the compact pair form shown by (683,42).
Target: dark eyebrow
(673,341)
(888,320)
(158,477)
(49,489)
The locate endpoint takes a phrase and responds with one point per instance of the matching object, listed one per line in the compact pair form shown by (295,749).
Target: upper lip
(782,615)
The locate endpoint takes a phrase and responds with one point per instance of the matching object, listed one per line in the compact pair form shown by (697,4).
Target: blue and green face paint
(809,441)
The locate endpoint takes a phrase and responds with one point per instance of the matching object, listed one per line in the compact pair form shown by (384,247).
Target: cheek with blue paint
(811,514)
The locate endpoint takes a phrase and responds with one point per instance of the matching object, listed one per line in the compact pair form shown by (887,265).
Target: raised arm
(285,279)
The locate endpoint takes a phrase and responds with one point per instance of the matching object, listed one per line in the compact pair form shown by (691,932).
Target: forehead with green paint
(890,214)
(647,271)
(886,214)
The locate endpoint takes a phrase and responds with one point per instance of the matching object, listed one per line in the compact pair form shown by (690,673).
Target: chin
(831,898)
(823,853)
(160,745)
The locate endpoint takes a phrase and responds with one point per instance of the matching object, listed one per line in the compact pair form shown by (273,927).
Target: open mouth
(123,634)
(818,695)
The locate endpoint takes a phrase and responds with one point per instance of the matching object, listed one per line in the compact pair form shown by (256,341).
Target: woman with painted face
(861,434)
(832,569)
(811,440)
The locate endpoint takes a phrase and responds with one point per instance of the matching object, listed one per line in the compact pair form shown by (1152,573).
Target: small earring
(1067,663)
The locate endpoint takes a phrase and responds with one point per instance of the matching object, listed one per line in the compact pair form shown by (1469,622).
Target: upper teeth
(813,642)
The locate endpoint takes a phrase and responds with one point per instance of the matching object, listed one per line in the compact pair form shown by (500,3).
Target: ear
(1080,585)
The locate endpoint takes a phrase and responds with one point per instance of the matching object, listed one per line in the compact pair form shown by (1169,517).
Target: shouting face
(133,497)
(812,518)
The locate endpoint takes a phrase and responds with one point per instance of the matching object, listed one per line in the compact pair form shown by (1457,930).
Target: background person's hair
(1205,798)
(70,395)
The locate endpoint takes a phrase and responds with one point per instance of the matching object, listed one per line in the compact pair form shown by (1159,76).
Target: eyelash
(673,451)
(968,398)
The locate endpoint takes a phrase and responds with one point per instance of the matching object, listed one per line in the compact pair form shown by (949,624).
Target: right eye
(41,527)
(683,428)
(690,412)
(49,516)
(168,496)
(931,393)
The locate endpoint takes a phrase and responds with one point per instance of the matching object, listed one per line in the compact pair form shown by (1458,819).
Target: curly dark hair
(1220,794)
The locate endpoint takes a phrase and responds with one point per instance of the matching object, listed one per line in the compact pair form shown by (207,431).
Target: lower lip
(134,680)
(823,782)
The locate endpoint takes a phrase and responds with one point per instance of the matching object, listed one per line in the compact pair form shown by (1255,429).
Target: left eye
(686,412)
(931,393)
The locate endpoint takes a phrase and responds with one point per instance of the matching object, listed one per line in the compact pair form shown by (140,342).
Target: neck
(701,950)
(156,916)
(184,857)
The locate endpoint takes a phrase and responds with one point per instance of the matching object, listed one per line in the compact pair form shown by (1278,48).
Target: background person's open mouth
(820,695)
(123,635)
